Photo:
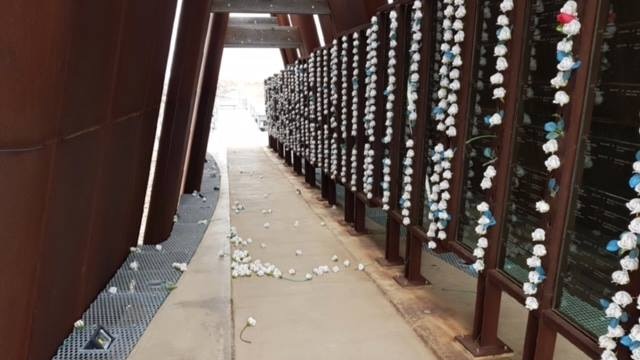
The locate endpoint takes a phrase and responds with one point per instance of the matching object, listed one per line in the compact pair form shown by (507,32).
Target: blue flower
(554,129)
(634,181)
(553,187)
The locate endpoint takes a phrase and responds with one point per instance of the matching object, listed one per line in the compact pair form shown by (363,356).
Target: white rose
(495,119)
(497,78)
(607,343)
(483,206)
(629,264)
(529,288)
(608,355)
(499,93)
(538,235)
(634,206)
(613,311)
(483,220)
(459,37)
(622,298)
(550,146)
(620,277)
(504,33)
(451,131)
(566,63)
(615,332)
(506,5)
(531,303)
(534,262)
(552,163)
(500,50)
(534,277)
(251,321)
(565,45)
(501,64)
(478,265)
(634,333)
(628,241)
(483,242)
(503,20)
(539,250)
(561,98)
(486,183)
(634,225)
(559,81)
(481,230)
(478,252)
(490,171)
(542,207)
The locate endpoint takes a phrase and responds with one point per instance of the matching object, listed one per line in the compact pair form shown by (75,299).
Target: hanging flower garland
(445,115)
(370,107)
(334,103)
(307,111)
(343,107)
(412,111)
(354,110)
(320,129)
(312,110)
(569,25)
(390,94)
(325,112)
(486,219)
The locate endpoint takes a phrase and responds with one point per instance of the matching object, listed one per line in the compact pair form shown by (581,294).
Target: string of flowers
(569,25)
(354,110)
(320,129)
(369,121)
(412,111)
(325,111)
(297,109)
(334,103)
(486,219)
(390,94)
(312,110)
(343,107)
(445,116)
(306,110)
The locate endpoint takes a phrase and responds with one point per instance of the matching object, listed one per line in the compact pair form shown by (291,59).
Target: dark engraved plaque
(601,191)
(480,138)
(528,175)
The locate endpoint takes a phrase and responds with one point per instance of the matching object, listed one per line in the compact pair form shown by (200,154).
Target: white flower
(79,324)
(534,262)
(628,241)
(542,207)
(292,271)
(182,267)
(634,333)
(629,264)
(615,332)
(531,303)
(539,250)
(613,311)
(481,230)
(552,163)
(622,298)
(529,288)
(559,81)
(483,206)
(158,247)
(483,242)
(495,119)
(620,277)
(497,78)
(298,252)
(490,172)
(500,50)
(561,98)
(538,235)
(570,7)
(308,276)
(501,64)
(478,252)
(504,33)
(605,342)
(550,146)
(565,45)
(634,225)
(334,258)
(572,28)
(360,267)
(267,225)
(486,184)
(251,322)
(134,265)
(506,5)
(503,20)
(478,265)
(335,268)
(346,263)
(634,206)
(113,290)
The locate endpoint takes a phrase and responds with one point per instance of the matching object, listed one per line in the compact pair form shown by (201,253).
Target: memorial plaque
(528,175)
(480,138)
(601,190)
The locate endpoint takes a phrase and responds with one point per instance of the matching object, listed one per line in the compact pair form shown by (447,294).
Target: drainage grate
(126,314)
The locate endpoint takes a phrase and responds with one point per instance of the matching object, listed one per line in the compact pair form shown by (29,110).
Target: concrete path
(339,315)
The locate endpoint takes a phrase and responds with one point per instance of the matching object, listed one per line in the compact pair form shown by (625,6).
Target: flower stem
(242,332)
(293,280)
(479,137)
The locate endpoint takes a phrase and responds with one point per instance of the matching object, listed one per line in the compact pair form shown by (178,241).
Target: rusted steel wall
(181,106)
(82,83)
(308,33)
(208,90)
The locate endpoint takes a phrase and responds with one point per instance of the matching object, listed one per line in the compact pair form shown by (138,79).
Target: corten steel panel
(33,40)
(180,105)
(91,59)
(202,128)
(109,246)
(133,67)
(65,237)
(289,56)
(349,14)
(308,33)
(23,178)
(165,13)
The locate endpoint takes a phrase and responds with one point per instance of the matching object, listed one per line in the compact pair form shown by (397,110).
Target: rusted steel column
(346,15)
(328,30)
(181,105)
(289,56)
(308,33)
(202,129)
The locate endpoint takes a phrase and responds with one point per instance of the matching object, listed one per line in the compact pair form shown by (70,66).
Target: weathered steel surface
(283,37)
(250,21)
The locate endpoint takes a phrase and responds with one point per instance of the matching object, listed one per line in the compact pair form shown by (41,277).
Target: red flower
(565,18)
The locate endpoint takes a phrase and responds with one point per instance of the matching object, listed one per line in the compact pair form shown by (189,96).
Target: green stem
(293,280)
(242,332)
(490,161)
(479,137)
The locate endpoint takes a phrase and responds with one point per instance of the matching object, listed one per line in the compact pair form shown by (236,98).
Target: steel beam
(252,21)
(271,6)
(283,37)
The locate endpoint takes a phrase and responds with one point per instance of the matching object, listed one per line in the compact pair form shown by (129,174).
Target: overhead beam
(272,6)
(259,36)
(252,20)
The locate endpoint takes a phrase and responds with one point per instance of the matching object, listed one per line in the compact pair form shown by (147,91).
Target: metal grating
(453,260)
(340,194)
(126,314)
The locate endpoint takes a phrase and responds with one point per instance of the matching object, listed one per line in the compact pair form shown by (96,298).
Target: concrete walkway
(339,315)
